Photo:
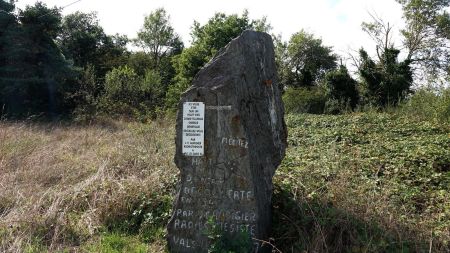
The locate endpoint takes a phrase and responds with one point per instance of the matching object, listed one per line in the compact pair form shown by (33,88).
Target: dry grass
(61,185)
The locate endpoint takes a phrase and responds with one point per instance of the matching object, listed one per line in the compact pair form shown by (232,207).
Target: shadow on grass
(311,226)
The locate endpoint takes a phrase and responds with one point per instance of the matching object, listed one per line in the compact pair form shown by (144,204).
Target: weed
(117,243)
(371,182)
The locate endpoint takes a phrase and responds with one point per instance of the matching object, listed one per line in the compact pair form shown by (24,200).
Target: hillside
(366,182)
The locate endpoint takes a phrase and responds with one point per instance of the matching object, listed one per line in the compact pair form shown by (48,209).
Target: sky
(336,22)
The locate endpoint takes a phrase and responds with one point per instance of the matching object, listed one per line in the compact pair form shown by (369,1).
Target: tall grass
(62,186)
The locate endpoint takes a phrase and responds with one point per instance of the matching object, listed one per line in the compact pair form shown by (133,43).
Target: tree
(307,60)
(140,62)
(94,53)
(426,35)
(207,40)
(342,87)
(222,28)
(8,24)
(280,48)
(381,33)
(34,75)
(83,41)
(157,37)
(387,81)
(80,37)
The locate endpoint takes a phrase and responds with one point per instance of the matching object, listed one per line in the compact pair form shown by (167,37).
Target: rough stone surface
(244,142)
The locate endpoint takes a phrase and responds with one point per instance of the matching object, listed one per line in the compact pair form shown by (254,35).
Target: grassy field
(367,182)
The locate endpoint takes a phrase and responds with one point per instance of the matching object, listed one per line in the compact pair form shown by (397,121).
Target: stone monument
(230,138)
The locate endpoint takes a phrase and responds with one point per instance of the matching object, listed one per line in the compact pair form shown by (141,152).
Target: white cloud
(337,22)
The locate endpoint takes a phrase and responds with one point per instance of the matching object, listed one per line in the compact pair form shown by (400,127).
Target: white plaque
(193,128)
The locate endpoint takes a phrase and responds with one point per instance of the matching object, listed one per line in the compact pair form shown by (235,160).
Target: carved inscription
(201,202)
(236,142)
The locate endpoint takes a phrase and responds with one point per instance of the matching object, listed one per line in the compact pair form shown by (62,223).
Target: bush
(127,94)
(337,106)
(386,82)
(305,100)
(341,89)
(428,104)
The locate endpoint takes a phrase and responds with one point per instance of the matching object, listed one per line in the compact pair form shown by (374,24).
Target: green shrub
(428,104)
(341,89)
(304,100)
(386,82)
(127,94)
(337,106)
(174,93)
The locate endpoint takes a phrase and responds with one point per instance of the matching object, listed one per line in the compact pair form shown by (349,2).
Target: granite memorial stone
(230,138)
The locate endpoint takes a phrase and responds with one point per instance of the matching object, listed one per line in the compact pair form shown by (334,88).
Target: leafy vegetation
(55,66)
(34,76)
(387,81)
(426,35)
(207,40)
(305,100)
(371,182)
(428,104)
(342,88)
(306,60)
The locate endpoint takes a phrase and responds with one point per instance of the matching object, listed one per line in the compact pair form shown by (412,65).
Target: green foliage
(161,45)
(157,37)
(85,98)
(304,100)
(387,81)
(128,94)
(140,62)
(340,86)
(307,60)
(146,217)
(83,41)
(221,29)
(371,182)
(206,41)
(150,216)
(80,37)
(34,76)
(122,85)
(117,243)
(427,34)
(280,48)
(427,104)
